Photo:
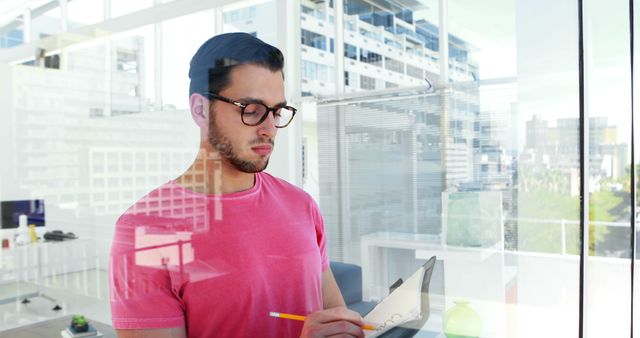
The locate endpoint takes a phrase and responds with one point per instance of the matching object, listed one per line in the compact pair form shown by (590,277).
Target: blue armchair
(349,279)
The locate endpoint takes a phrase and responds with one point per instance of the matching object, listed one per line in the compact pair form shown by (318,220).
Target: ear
(199,106)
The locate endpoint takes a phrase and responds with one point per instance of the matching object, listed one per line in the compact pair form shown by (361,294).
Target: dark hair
(211,66)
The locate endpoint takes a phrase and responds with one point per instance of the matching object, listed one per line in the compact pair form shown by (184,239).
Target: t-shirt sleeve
(142,294)
(321,236)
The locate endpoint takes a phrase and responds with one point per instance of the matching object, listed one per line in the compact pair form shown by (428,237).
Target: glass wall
(88,135)
(608,106)
(486,174)
(422,131)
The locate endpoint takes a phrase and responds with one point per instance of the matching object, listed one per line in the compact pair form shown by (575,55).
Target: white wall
(87,169)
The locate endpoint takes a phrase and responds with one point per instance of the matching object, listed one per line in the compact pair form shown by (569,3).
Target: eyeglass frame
(242,107)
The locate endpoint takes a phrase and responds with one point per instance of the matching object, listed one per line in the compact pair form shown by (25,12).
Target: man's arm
(335,319)
(331,295)
(174,332)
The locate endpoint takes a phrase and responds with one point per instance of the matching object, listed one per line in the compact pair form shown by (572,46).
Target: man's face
(246,148)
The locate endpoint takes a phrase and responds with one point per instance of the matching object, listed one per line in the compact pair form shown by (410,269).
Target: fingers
(334,322)
(340,328)
(337,313)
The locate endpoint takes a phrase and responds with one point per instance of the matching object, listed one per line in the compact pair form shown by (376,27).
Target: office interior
(496,135)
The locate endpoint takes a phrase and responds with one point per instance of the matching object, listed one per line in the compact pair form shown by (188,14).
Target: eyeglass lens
(254,112)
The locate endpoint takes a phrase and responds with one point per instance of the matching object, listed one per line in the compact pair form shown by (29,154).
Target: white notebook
(402,305)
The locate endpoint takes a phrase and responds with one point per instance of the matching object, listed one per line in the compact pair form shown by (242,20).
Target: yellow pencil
(302,318)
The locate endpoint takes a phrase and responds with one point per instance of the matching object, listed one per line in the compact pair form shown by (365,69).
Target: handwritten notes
(391,322)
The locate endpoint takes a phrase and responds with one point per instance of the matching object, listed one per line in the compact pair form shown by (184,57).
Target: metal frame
(633,165)
(584,177)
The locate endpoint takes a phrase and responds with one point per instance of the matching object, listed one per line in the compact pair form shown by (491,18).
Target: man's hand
(334,322)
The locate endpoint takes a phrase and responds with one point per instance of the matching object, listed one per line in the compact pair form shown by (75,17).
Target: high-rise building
(413,148)
(383,46)
(558,147)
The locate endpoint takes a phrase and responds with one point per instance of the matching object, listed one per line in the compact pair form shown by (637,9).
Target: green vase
(461,321)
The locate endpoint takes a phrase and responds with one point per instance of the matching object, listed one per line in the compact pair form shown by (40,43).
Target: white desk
(32,262)
(476,274)
(375,263)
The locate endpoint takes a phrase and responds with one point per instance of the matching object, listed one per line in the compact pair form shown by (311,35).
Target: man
(213,252)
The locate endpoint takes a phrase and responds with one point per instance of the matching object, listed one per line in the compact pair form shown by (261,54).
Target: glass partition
(422,131)
(484,175)
(608,105)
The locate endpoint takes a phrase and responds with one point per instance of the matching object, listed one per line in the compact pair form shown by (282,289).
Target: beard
(223,146)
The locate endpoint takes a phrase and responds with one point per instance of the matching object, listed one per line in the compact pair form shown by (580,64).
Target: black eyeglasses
(254,113)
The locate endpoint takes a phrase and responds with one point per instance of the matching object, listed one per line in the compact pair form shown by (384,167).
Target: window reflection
(95,125)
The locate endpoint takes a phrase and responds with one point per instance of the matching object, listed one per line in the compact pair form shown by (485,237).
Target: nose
(268,127)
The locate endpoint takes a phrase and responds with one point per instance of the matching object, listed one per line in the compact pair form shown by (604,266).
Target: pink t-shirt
(218,264)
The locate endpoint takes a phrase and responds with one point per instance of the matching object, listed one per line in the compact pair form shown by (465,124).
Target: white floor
(83,293)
